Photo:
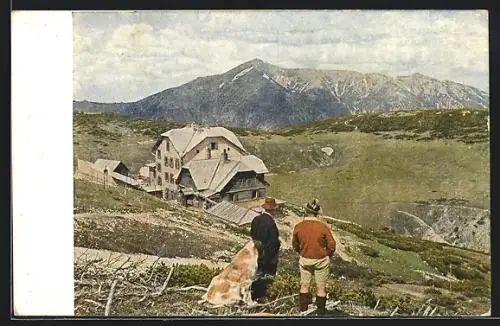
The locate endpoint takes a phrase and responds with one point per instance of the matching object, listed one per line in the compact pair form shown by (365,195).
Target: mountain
(257,94)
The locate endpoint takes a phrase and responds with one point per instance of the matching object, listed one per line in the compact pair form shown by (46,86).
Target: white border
(42,163)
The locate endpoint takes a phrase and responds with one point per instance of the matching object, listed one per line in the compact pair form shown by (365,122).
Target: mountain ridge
(257,94)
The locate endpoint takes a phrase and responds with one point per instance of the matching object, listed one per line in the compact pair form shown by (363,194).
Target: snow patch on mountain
(242,73)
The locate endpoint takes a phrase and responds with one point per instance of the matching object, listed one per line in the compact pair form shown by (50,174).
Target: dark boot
(304,300)
(320,304)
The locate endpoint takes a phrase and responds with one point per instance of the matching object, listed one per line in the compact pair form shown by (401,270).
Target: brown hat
(269,204)
(313,207)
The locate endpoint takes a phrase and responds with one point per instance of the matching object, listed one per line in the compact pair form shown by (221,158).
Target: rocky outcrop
(459,225)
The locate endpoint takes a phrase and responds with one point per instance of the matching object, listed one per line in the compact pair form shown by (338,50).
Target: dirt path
(118,258)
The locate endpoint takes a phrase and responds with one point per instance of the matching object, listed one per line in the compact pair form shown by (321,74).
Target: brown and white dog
(233,284)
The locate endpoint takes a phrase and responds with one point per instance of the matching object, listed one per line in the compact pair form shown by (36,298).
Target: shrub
(186,275)
(283,285)
(361,296)
(473,288)
(288,262)
(432,290)
(466,273)
(369,251)
(406,304)
(444,301)
(352,270)
(335,290)
(438,283)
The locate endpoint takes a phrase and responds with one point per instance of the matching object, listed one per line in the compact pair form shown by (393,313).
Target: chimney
(225,156)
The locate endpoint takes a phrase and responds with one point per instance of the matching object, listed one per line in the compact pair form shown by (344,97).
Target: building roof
(152,188)
(257,202)
(125,179)
(214,174)
(185,139)
(100,164)
(232,213)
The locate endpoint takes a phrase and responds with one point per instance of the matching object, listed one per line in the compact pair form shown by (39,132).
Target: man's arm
(275,235)
(295,241)
(330,241)
(254,228)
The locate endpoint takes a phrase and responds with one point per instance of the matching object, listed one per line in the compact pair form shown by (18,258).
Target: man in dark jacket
(264,229)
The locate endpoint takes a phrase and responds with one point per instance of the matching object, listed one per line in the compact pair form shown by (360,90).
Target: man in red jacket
(313,240)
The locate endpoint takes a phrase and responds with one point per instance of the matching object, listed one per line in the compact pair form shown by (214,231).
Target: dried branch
(94,302)
(84,252)
(109,257)
(192,287)
(152,269)
(332,304)
(308,311)
(166,282)
(110,297)
(99,289)
(123,264)
(201,312)
(376,305)
(84,269)
(279,299)
(394,311)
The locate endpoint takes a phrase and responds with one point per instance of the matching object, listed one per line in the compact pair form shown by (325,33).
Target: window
(166,177)
(166,161)
(158,154)
(172,178)
(171,162)
(213,145)
(177,163)
(158,167)
(159,181)
(197,151)
(168,146)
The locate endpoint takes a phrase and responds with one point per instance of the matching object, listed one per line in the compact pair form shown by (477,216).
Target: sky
(124,56)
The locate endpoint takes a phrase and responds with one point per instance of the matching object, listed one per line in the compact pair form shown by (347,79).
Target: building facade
(177,147)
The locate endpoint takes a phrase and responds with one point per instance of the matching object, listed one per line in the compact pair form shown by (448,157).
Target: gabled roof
(214,174)
(233,213)
(185,139)
(100,164)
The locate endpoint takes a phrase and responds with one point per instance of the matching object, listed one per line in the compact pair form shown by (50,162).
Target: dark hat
(269,204)
(313,207)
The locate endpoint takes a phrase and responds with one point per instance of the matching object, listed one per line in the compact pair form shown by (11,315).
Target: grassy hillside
(375,172)
(377,159)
